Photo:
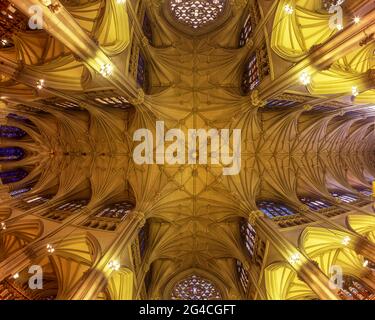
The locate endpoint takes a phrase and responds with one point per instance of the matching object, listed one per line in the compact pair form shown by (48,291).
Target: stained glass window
(142,72)
(147,28)
(354,289)
(72,206)
(195,288)
(250,77)
(19,192)
(11,154)
(243,276)
(197,13)
(347,198)
(274,210)
(116,211)
(12,176)
(315,204)
(11,132)
(248,234)
(246,31)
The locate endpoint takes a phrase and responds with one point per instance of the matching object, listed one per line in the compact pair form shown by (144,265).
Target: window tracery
(250,77)
(315,204)
(248,234)
(274,210)
(347,198)
(197,13)
(246,31)
(195,288)
(243,276)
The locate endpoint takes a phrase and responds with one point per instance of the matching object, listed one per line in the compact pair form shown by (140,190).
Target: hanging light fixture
(50,248)
(295,258)
(114,265)
(355,91)
(40,84)
(305,78)
(288,9)
(346,241)
(106,70)
(357,20)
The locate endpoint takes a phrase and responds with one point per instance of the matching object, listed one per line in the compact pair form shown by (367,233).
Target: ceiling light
(16,276)
(50,248)
(346,241)
(121,1)
(339,27)
(288,9)
(295,258)
(355,91)
(3,226)
(4,42)
(305,78)
(357,20)
(365,263)
(114,265)
(106,70)
(40,84)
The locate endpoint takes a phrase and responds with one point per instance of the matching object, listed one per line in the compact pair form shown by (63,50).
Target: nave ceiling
(80,123)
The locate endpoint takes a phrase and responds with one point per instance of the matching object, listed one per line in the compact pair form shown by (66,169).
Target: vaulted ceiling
(78,82)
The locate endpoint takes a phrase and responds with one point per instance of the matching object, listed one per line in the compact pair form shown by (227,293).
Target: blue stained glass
(12,176)
(11,132)
(11,154)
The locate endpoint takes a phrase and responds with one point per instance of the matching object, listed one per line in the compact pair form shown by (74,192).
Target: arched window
(19,192)
(11,132)
(11,154)
(73,206)
(13,176)
(147,28)
(195,288)
(248,234)
(355,289)
(250,77)
(246,31)
(274,210)
(315,204)
(116,211)
(347,198)
(142,72)
(243,276)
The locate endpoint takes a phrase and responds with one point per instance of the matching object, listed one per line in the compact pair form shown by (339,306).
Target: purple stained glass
(11,154)
(142,71)
(13,175)
(11,132)
(147,28)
